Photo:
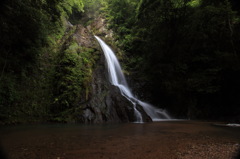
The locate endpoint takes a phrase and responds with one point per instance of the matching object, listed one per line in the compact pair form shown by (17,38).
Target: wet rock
(106,104)
(145,116)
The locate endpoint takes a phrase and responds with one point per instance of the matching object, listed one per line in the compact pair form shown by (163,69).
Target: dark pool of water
(168,139)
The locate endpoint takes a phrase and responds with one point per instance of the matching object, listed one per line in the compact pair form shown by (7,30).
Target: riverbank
(160,140)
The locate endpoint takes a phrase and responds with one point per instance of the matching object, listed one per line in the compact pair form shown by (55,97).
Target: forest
(180,55)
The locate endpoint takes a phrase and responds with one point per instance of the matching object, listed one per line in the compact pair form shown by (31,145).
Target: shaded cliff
(106,103)
(98,101)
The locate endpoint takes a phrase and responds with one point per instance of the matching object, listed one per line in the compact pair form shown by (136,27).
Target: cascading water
(118,79)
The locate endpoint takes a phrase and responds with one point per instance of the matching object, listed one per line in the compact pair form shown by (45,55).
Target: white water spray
(118,79)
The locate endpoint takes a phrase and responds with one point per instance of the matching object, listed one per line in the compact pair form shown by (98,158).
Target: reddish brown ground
(162,140)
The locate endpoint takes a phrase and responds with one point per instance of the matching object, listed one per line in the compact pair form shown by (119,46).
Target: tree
(187,49)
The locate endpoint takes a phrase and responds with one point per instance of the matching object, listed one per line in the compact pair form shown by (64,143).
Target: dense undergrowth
(44,71)
(184,54)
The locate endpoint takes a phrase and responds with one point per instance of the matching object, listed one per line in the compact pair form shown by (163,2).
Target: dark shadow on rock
(107,105)
(145,116)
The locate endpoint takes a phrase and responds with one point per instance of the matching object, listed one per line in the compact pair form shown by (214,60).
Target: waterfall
(118,79)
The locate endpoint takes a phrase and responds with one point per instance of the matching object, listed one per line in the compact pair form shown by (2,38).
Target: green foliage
(73,76)
(194,3)
(121,17)
(30,32)
(66,8)
(93,5)
(8,96)
(92,9)
(186,49)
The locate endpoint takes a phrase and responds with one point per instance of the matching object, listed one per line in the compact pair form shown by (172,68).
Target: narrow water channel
(160,140)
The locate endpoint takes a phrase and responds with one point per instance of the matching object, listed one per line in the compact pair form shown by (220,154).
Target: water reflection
(149,140)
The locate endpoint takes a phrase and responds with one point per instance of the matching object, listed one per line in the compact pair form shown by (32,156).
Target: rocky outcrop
(84,37)
(106,104)
(99,26)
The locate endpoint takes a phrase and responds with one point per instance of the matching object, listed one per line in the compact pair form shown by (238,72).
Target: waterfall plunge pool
(162,140)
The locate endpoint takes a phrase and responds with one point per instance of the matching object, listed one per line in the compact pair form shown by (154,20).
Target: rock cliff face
(106,104)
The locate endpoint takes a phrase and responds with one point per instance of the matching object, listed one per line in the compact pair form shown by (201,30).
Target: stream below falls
(160,140)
